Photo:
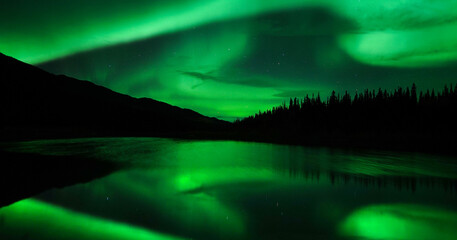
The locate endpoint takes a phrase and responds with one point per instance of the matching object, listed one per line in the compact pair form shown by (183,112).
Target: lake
(185,189)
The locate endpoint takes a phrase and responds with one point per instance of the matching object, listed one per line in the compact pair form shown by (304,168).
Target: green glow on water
(193,175)
(184,199)
(47,221)
(401,221)
(236,190)
(195,155)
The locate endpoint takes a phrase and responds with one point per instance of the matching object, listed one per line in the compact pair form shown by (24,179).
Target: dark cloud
(308,21)
(201,76)
(253,82)
(406,17)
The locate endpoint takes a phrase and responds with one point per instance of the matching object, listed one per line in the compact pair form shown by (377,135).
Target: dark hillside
(37,104)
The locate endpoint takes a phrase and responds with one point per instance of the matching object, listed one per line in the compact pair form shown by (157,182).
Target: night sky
(232,58)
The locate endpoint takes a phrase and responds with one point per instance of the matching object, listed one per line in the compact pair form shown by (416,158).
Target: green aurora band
(229,59)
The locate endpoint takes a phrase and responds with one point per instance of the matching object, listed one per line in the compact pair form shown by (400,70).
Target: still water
(182,189)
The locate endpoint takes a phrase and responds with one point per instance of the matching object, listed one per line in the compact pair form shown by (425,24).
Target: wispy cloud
(201,76)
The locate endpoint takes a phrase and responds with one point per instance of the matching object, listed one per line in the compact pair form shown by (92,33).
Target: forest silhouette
(400,119)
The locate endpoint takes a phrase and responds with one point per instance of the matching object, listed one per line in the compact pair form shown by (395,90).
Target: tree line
(371,117)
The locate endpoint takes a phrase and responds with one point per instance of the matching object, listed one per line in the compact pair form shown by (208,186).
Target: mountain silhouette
(38,104)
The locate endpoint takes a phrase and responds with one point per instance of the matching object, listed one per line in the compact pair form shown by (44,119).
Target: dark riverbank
(25,174)
(444,145)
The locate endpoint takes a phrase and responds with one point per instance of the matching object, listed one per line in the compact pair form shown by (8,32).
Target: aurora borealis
(230,59)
